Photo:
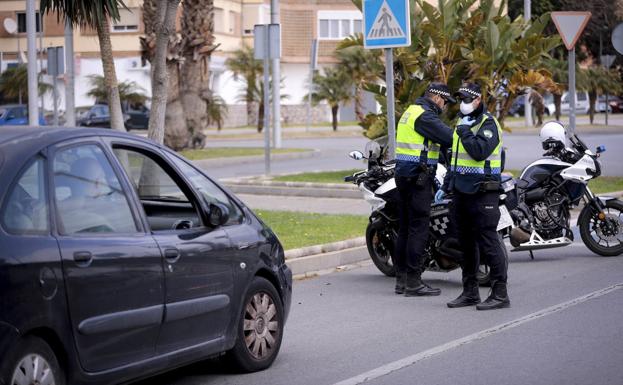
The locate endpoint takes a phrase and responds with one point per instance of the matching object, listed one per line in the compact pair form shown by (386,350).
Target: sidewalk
(287,132)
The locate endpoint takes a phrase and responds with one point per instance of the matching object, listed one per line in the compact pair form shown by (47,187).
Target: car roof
(12,105)
(23,138)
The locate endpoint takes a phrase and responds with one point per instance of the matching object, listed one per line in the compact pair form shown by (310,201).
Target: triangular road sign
(570,25)
(385,25)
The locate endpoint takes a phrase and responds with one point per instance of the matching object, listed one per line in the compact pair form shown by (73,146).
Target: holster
(489,185)
(423,176)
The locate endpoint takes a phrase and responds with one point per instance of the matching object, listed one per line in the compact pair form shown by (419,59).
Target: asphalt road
(522,150)
(564,327)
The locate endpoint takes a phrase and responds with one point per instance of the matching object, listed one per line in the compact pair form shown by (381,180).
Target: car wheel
(260,328)
(32,362)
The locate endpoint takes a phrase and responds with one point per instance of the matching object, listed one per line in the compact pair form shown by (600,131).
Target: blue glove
(467,121)
(439,196)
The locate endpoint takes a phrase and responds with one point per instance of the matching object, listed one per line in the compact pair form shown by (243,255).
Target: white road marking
(410,360)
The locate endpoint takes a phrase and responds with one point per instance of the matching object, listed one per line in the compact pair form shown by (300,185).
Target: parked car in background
(134,117)
(517,108)
(17,115)
(138,117)
(120,259)
(614,102)
(581,104)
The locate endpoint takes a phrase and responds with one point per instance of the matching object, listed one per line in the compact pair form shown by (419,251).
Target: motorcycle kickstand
(531,255)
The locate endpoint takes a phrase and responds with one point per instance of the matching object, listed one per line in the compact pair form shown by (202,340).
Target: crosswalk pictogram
(385,25)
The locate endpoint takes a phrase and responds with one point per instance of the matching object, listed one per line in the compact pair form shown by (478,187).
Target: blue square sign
(386,23)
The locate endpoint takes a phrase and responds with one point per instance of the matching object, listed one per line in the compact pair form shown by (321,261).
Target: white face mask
(467,108)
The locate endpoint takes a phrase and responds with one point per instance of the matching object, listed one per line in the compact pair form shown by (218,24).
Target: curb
(254,159)
(312,264)
(326,248)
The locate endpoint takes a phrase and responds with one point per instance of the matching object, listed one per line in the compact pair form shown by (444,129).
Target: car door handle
(172,255)
(83,257)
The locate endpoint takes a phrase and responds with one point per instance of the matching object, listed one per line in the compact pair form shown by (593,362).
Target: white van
(581,104)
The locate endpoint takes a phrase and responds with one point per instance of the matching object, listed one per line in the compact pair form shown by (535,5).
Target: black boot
(415,286)
(498,298)
(469,297)
(401,281)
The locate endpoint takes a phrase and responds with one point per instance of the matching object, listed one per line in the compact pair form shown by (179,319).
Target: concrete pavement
(562,328)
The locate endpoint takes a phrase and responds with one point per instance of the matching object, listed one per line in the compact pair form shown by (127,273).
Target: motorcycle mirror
(600,149)
(357,155)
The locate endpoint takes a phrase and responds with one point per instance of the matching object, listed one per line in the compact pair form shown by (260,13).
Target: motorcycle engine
(550,215)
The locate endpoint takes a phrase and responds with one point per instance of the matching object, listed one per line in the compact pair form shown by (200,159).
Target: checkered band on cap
(471,92)
(439,92)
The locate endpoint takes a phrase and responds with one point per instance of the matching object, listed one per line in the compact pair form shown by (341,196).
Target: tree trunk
(334,116)
(557,103)
(592,98)
(359,105)
(165,26)
(260,116)
(110,76)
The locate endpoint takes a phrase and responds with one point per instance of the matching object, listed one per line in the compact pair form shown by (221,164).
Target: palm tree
(95,14)
(187,62)
(596,80)
(159,18)
(15,79)
(334,88)
(129,92)
(363,66)
(243,64)
(257,97)
(217,111)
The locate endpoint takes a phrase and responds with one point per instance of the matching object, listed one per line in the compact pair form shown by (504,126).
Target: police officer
(474,179)
(420,136)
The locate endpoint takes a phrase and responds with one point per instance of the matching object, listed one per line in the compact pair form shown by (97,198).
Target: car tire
(257,345)
(29,352)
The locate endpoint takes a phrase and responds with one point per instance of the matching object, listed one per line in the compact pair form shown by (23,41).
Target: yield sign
(570,25)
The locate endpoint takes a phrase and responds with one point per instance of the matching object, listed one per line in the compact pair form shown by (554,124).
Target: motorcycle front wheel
(380,247)
(603,236)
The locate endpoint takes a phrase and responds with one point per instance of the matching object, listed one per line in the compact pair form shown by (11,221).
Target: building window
(21,22)
(219,22)
(128,21)
(335,25)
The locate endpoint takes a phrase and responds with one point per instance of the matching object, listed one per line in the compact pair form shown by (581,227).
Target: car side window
(165,202)
(209,190)
(26,210)
(88,195)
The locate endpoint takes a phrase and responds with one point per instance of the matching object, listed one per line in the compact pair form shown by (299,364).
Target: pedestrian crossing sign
(386,23)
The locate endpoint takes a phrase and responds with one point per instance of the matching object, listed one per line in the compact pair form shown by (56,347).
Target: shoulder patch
(488,134)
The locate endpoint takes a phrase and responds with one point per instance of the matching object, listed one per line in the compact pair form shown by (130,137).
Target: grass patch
(226,152)
(601,185)
(298,229)
(318,177)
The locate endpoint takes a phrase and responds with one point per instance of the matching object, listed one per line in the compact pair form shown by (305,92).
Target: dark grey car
(119,259)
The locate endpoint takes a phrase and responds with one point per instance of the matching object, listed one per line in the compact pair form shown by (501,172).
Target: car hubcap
(33,370)
(261,326)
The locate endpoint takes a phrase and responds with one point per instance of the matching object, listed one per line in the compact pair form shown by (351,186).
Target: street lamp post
(527,14)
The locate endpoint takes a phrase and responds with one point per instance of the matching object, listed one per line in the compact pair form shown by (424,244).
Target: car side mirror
(218,215)
(357,155)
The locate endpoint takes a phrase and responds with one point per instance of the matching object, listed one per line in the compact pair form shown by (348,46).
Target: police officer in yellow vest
(474,179)
(420,136)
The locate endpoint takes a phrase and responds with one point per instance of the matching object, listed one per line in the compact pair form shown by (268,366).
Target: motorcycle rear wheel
(598,238)
(380,251)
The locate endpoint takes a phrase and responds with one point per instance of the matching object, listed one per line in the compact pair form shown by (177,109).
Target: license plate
(505,219)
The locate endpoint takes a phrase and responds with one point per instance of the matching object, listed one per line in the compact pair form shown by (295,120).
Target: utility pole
(70,111)
(274,19)
(527,15)
(31,38)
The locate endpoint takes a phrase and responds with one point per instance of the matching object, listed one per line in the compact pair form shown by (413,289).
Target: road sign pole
(267,107)
(31,40)
(572,90)
(389,81)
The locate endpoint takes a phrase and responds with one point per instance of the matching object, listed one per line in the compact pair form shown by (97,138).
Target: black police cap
(441,90)
(469,90)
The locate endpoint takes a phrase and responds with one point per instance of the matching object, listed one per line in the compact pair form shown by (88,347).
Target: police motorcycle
(378,187)
(541,199)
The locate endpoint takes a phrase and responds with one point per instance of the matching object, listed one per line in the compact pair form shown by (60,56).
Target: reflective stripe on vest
(463,163)
(410,145)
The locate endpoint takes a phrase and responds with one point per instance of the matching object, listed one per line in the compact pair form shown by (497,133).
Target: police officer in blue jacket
(474,179)
(421,136)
